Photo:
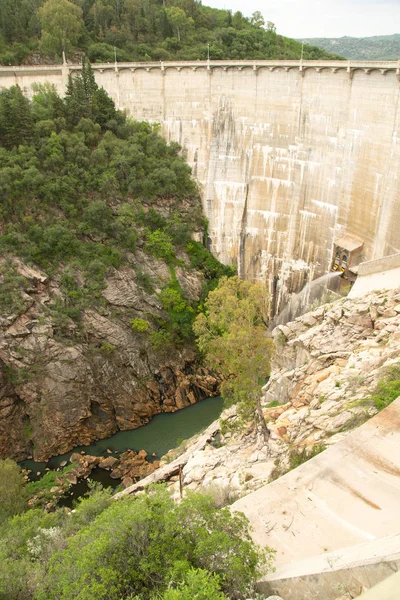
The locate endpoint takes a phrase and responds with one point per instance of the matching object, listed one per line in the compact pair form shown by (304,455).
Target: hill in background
(137,30)
(378,47)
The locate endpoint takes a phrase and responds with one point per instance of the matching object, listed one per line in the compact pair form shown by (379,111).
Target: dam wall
(291,156)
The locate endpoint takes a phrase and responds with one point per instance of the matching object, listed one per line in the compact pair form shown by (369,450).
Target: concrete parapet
(380,274)
(302,65)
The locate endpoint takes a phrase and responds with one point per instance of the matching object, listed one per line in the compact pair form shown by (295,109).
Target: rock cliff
(58,391)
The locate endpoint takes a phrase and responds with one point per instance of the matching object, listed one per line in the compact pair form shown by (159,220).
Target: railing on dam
(210,65)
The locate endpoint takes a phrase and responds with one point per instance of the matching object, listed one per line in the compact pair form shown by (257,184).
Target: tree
(62,26)
(179,21)
(16,124)
(233,335)
(270,26)
(12,490)
(257,19)
(84,99)
(46,103)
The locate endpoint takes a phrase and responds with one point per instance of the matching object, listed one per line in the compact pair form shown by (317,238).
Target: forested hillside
(378,47)
(98,268)
(33,31)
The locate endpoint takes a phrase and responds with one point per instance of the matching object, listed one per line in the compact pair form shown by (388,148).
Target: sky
(322,18)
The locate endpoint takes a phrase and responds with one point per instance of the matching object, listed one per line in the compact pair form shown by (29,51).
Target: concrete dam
(298,161)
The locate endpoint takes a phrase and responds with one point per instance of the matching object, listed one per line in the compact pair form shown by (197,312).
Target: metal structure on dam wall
(293,157)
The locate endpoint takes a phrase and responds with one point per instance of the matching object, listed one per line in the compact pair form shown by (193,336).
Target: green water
(165,431)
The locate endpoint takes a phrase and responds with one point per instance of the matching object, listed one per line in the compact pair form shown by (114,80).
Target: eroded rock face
(59,392)
(327,362)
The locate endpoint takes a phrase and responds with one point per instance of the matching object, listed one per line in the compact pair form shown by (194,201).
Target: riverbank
(125,455)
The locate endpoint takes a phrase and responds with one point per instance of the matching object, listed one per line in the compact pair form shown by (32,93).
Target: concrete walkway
(345,496)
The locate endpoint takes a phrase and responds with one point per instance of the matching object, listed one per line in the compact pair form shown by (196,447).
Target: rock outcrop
(58,391)
(327,362)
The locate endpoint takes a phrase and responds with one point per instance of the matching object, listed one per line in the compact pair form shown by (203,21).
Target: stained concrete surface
(346,495)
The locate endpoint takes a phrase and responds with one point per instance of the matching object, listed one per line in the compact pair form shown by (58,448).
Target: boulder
(108,463)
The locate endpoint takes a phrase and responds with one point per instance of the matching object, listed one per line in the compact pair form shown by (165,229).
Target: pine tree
(16,123)
(84,99)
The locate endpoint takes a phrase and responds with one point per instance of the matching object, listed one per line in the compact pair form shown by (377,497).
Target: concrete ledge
(381,264)
(380,274)
(331,585)
(326,576)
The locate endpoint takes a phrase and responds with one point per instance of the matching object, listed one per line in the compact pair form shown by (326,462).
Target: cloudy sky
(323,18)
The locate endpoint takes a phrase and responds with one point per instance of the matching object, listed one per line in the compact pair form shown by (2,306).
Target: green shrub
(195,583)
(144,280)
(13,494)
(273,403)
(139,325)
(159,244)
(11,287)
(162,340)
(387,389)
(139,546)
(107,347)
(296,458)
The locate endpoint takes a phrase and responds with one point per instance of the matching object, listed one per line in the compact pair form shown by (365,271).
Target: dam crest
(298,161)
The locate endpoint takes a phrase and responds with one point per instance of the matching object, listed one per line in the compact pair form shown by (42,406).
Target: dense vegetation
(80,190)
(135,549)
(377,47)
(37,30)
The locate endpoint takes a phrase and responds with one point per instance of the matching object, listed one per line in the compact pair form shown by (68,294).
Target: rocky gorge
(59,392)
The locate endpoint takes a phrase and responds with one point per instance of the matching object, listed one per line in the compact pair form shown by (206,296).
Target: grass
(387,389)
(273,403)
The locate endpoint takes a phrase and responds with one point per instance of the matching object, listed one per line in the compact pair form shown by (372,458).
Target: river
(163,432)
